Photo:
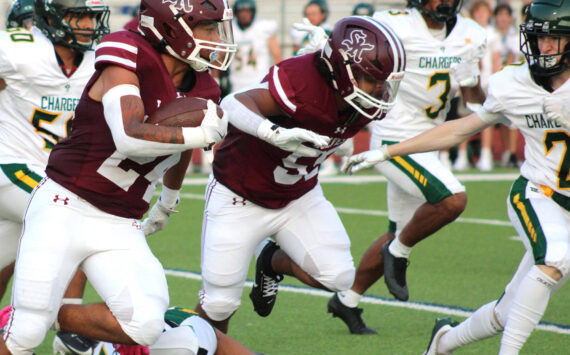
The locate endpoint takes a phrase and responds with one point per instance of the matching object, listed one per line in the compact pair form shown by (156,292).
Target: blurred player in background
(101,178)
(363,9)
(316,12)
(44,69)
(258,47)
(423,195)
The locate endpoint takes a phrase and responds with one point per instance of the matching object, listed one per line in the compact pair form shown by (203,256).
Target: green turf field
(463,266)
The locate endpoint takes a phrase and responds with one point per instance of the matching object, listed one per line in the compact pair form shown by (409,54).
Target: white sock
(528,307)
(349,298)
(462,154)
(480,325)
(486,153)
(398,249)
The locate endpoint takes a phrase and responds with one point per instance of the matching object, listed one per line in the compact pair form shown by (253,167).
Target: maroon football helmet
(363,47)
(169,23)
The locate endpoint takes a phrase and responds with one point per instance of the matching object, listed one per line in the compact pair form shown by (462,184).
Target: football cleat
(65,343)
(264,291)
(442,326)
(395,274)
(351,316)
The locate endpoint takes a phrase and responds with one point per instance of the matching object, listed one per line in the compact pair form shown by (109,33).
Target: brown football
(182,112)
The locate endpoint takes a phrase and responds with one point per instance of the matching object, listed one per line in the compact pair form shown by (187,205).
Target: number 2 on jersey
(550,140)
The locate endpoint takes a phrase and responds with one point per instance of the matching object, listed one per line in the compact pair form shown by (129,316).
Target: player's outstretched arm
(444,136)
(247,111)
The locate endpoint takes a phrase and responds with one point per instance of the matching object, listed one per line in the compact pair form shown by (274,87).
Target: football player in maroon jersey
(99,182)
(265,180)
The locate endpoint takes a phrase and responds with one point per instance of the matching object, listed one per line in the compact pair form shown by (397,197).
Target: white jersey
(425,93)
(37,105)
(253,58)
(513,97)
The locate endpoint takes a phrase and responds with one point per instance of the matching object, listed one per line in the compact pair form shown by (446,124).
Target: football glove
(317,37)
(466,74)
(292,139)
(365,160)
(557,109)
(213,126)
(345,149)
(131,349)
(157,218)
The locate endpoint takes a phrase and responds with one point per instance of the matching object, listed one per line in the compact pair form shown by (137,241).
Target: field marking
(359,179)
(419,306)
(365,212)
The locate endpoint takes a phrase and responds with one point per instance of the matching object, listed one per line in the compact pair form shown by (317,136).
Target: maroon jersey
(272,177)
(88,163)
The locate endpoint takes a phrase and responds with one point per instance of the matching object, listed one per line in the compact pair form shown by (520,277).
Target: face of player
(244,18)
(314,15)
(83,26)
(207,31)
(433,4)
(371,86)
(552,45)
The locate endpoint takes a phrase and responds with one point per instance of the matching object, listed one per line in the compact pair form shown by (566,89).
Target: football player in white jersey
(45,69)
(443,50)
(258,47)
(535,98)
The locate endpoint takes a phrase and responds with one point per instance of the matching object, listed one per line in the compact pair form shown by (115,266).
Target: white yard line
(359,179)
(434,308)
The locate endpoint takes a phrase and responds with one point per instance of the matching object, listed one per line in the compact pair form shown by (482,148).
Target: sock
(349,298)
(528,307)
(486,153)
(480,325)
(462,154)
(398,249)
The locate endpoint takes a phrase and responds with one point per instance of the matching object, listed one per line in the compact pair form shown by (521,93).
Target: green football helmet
(546,18)
(445,12)
(21,13)
(58,20)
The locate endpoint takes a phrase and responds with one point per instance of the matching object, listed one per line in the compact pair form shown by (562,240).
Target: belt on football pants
(561,200)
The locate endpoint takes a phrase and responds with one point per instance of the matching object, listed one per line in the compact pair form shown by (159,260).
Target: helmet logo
(356,44)
(181,5)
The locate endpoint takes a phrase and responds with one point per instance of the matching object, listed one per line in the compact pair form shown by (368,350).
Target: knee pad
(339,280)
(142,324)
(27,331)
(558,251)
(218,308)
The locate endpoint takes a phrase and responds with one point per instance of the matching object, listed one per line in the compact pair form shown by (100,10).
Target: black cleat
(442,326)
(264,291)
(66,343)
(395,274)
(350,316)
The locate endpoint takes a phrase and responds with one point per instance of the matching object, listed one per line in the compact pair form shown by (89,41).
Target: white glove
(466,74)
(365,160)
(292,139)
(157,218)
(317,37)
(345,149)
(213,126)
(557,109)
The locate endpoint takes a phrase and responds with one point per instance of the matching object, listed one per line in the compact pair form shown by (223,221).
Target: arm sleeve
(133,147)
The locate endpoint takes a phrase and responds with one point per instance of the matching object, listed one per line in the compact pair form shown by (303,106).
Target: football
(182,112)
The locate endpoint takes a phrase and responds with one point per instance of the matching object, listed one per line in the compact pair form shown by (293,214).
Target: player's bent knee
(219,310)
(27,331)
(145,332)
(339,281)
